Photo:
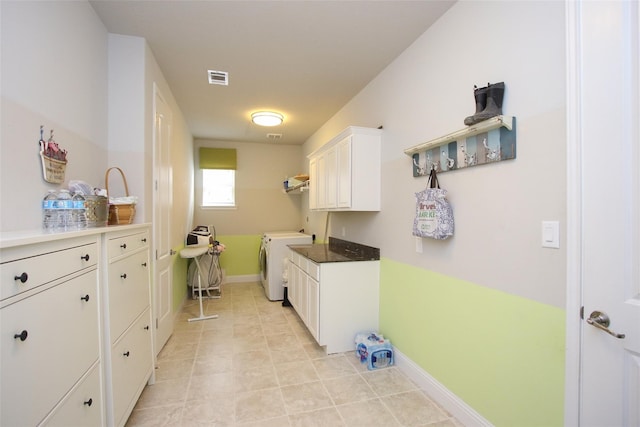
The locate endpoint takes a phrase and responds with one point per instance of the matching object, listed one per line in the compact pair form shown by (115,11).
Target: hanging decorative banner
(54,159)
(492,146)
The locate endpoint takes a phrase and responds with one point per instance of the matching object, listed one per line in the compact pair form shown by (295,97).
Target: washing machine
(273,250)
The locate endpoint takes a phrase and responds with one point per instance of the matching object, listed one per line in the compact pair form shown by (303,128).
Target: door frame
(573,323)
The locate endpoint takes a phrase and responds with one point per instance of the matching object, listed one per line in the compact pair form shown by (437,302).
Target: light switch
(551,234)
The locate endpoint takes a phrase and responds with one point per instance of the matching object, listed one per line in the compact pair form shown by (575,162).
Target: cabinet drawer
(128,291)
(121,245)
(313,270)
(83,406)
(61,342)
(132,364)
(23,269)
(294,257)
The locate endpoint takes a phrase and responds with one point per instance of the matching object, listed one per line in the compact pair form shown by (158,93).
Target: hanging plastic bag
(434,216)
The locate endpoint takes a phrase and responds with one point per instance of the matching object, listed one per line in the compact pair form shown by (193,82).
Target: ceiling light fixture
(267,118)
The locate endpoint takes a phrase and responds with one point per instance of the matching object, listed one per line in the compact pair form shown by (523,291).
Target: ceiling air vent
(274,136)
(218,77)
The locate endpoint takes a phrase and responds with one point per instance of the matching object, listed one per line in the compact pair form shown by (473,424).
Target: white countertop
(10,239)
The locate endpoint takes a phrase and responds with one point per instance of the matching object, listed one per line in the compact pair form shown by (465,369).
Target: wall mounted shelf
(297,189)
(489,141)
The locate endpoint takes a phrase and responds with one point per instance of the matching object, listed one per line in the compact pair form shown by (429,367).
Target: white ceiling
(305,59)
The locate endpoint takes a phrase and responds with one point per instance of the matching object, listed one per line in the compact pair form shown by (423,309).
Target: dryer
(273,250)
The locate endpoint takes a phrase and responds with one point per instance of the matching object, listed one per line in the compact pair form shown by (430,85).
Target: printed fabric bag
(434,216)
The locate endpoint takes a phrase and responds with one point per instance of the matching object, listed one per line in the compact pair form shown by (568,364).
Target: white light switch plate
(551,234)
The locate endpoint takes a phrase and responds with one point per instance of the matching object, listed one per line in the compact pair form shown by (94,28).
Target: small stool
(195,252)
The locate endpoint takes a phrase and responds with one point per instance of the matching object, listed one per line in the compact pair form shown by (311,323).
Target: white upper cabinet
(345,172)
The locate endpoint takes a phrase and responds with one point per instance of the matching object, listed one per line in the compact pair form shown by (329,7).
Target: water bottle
(49,212)
(64,206)
(79,212)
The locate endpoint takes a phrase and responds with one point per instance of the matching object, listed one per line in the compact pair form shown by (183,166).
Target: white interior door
(163,191)
(609,151)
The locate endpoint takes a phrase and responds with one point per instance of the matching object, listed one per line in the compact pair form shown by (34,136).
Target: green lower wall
(180,290)
(241,256)
(503,355)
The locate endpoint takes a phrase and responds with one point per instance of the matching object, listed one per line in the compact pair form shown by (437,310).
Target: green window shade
(217,158)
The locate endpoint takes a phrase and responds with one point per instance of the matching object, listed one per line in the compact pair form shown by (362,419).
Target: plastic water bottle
(49,211)
(79,212)
(64,206)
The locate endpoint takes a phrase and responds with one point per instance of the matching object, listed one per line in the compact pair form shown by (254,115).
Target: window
(218,188)
(218,166)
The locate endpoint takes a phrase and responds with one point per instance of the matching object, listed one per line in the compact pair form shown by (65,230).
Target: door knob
(601,321)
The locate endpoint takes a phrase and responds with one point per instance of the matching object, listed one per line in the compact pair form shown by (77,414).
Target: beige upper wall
(54,73)
(261,204)
(426,93)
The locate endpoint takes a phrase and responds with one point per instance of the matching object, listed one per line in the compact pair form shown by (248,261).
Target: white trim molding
(438,392)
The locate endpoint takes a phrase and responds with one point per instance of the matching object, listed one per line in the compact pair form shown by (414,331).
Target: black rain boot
(480,95)
(495,95)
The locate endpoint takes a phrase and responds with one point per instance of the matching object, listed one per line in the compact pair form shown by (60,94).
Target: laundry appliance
(273,251)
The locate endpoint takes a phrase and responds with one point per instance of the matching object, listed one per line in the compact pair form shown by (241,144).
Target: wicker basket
(97,208)
(121,213)
(53,169)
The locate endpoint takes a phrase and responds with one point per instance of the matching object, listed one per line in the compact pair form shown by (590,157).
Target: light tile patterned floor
(257,365)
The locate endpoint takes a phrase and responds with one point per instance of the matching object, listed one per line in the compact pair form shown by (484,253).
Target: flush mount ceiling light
(267,118)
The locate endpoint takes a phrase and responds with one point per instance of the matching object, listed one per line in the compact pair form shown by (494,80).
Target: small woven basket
(53,169)
(120,214)
(97,209)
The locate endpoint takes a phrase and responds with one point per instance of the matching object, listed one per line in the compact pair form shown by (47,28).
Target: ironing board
(195,252)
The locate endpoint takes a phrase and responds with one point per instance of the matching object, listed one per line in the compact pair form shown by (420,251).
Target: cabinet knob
(144,264)
(123,276)
(126,354)
(89,402)
(23,277)
(123,246)
(22,335)
(86,257)
(146,327)
(85,298)
(144,240)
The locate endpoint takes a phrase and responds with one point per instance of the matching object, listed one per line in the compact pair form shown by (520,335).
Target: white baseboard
(438,392)
(242,278)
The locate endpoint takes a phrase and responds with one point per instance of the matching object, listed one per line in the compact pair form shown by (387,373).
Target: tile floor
(257,365)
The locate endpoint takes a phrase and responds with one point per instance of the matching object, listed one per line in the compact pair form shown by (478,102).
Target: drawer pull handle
(22,335)
(144,264)
(86,297)
(123,276)
(23,277)
(86,257)
(89,402)
(123,246)
(144,240)
(126,354)
(146,327)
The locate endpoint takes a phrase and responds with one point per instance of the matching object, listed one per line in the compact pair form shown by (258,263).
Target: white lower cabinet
(335,300)
(75,323)
(127,321)
(50,341)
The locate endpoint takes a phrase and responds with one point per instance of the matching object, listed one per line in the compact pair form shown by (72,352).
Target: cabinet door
(331,166)
(128,291)
(48,342)
(132,364)
(322,183)
(292,291)
(83,406)
(313,310)
(343,172)
(313,184)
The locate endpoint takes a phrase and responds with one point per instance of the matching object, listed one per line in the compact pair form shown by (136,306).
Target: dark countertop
(337,251)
